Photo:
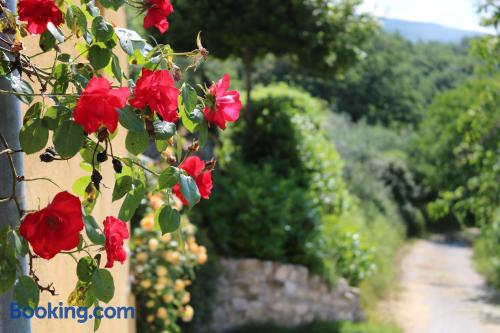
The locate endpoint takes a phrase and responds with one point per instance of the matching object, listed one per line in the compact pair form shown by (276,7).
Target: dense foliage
(391,85)
(457,152)
(284,175)
(377,170)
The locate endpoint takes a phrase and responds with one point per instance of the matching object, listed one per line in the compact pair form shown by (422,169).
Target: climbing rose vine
(81,102)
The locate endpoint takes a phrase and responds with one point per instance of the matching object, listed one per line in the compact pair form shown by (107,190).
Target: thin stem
(42,178)
(11,92)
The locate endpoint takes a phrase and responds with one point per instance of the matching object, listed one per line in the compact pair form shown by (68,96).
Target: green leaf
(64,57)
(191,120)
(136,142)
(92,230)
(132,202)
(161,145)
(129,40)
(8,262)
(85,269)
(5,65)
(56,114)
(103,286)
(163,129)
(203,134)
(190,115)
(26,292)
(115,67)
(88,151)
(68,139)
(189,97)
(189,190)
(115,4)
(102,30)
(80,244)
(99,57)
(7,273)
(21,87)
(33,112)
(47,41)
(56,32)
(97,321)
(169,177)
(76,19)
(33,136)
(130,120)
(122,186)
(80,185)
(18,242)
(169,219)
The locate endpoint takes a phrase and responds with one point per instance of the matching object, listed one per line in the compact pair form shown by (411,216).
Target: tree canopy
(324,35)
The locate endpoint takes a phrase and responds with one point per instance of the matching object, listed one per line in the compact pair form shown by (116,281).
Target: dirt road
(442,293)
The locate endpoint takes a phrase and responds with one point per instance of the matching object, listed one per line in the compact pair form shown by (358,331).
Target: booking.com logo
(81,314)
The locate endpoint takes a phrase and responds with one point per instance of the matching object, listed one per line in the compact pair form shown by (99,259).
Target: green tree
(392,84)
(457,152)
(324,35)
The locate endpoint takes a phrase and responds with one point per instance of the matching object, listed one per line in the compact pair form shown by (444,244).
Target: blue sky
(452,13)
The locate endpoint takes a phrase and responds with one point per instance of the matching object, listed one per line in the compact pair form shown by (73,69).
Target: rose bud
(117,165)
(96,178)
(102,157)
(47,157)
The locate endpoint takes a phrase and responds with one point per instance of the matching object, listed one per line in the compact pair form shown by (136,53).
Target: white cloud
(459,14)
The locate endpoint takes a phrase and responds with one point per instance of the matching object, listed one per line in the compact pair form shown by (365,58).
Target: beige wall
(62,269)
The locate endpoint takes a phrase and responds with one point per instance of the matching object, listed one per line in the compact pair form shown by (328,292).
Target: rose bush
(78,103)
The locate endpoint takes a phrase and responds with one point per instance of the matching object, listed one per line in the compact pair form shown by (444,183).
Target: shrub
(268,217)
(287,133)
(280,175)
(360,245)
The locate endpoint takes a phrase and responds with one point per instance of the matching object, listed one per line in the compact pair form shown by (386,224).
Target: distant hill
(416,31)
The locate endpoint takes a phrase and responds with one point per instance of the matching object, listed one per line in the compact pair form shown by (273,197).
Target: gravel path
(442,293)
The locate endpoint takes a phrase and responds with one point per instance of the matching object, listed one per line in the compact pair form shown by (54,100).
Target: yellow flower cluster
(163,268)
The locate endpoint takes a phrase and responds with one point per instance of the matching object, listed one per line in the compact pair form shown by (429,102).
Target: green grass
(319,327)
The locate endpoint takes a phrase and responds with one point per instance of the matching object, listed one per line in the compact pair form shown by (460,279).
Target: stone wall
(252,291)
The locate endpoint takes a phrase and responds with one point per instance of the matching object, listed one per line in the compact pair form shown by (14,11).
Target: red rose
(157,91)
(97,105)
(195,167)
(115,232)
(158,10)
(38,13)
(54,228)
(223,105)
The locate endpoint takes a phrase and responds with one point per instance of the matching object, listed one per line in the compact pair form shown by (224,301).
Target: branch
(50,287)
(15,177)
